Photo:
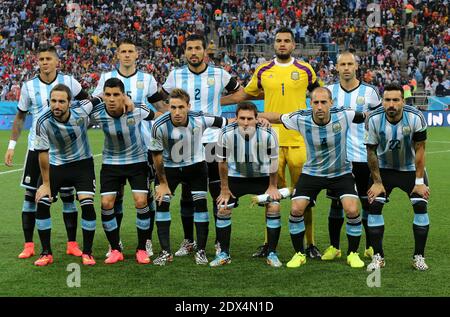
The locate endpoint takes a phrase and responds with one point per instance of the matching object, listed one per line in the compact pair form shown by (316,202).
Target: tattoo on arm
(372,161)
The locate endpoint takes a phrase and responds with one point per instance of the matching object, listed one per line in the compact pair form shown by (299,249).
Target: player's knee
(297,211)
(224,212)
(352,212)
(273,208)
(140,201)
(108,202)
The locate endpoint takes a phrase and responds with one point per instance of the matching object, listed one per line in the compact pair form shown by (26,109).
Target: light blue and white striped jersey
(138,86)
(204,89)
(67,142)
(363,98)
(146,132)
(182,146)
(34,96)
(395,141)
(325,145)
(248,157)
(123,143)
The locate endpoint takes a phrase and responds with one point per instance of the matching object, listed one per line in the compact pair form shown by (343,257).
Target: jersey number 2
(197,94)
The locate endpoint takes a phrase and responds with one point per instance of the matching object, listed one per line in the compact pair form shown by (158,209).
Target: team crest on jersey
(140,84)
(295,76)
(360,100)
(131,121)
(336,127)
(211,81)
(80,121)
(406,130)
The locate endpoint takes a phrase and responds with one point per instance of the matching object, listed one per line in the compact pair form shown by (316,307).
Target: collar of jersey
(285,64)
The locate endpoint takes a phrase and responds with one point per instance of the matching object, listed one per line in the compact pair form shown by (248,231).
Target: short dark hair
(285,29)
(62,87)
(114,82)
(247,105)
(195,37)
(178,93)
(394,87)
(126,41)
(47,48)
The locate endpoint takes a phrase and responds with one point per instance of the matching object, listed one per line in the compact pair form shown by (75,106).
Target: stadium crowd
(416,32)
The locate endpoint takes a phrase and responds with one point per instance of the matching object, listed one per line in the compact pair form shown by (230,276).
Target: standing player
(124,158)
(65,159)
(204,83)
(248,155)
(141,87)
(325,131)
(396,156)
(179,158)
(351,93)
(33,99)
(284,82)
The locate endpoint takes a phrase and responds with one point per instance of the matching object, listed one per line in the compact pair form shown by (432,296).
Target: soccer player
(124,158)
(141,87)
(396,157)
(179,158)
(325,131)
(34,96)
(284,82)
(65,159)
(205,84)
(351,93)
(248,164)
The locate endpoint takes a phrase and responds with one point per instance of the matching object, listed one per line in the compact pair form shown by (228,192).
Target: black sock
(273,227)
(43,223)
(151,212)
(87,223)
(297,232)
(71,222)
(334,230)
(163,228)
(142,226)
(202,229)
(111,229)
(28,223)
(354,229)
(376,237)
(187,219)
(420,238)
(223,230)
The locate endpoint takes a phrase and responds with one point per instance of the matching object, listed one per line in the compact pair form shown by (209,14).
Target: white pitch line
(446,151)
(21,169)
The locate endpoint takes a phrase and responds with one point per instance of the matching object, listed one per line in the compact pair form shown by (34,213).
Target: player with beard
(284,82)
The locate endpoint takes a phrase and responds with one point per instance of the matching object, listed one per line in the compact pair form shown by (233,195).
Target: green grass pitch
(244,276)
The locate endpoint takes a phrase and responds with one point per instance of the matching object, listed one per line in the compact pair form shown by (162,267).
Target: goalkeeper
(248,164)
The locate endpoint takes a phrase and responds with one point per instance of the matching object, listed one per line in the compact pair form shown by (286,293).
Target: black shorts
(31,178)
(361,173)
(213,165)
(112,177)
(79,174)
(150,166)
(309,187)
(240,186)
(405,180)
(195,176)
(31,170)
